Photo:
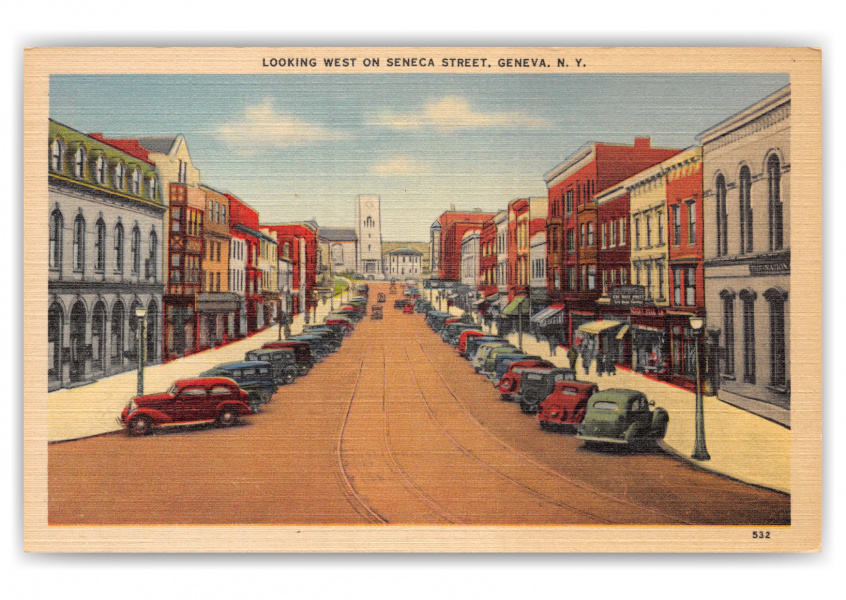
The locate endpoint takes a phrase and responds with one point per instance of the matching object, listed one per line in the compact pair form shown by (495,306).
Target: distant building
(340,248)
(106,239)
(470,267)
(368,228)
(298,242)
(453,225)
(404,263)
(422,247)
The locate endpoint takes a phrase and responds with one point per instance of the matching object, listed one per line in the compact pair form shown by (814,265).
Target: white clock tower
(368,228)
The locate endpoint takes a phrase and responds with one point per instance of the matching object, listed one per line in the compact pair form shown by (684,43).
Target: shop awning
(595,327)
(548,315)
(490,299)
(515,304)
(222,302)
(622,332)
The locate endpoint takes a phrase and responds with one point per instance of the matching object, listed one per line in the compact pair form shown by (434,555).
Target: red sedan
(566,405)
(510,382)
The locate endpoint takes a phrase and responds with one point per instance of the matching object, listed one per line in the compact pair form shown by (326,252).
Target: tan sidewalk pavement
(93,409)
(742,445)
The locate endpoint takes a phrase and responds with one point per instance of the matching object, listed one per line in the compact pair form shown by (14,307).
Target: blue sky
(303,146)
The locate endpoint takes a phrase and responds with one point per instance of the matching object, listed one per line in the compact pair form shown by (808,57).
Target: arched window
(79,243)
(55,337)
(100,247)
(57,152)
(136,250)
(722,216)
(98,337)
(745,188)
(79,163)
(57,224)
(776,208)
(119,248)
(152,187)
(100,170)
(117,333)
(120,176)
(136,181)
(153,260)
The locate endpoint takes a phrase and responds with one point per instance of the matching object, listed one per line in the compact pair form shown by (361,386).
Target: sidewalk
(92,409)
(742,445)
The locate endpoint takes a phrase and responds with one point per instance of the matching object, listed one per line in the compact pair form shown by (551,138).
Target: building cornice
(574,162)
(763,114)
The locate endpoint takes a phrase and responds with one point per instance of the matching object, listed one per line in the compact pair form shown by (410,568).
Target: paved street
(394,428)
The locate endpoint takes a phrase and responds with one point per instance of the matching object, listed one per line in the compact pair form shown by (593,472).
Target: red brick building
(572,255)
(487,258)
(453,227)
(298,243)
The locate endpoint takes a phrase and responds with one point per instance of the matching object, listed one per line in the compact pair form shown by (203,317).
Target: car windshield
(172,389)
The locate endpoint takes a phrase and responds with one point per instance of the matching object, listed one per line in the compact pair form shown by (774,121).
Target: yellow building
(648,218)
(269,266)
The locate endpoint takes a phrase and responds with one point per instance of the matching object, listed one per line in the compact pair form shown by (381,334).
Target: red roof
(129,146)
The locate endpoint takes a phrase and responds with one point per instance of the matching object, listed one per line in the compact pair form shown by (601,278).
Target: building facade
(339,248)
(454,224)
(243,225)
(404,263)
(299,244)
(106,220)
(216,305)
(469,267)
(746,181)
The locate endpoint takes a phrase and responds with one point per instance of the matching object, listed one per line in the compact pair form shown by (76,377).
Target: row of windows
(211,281)
(102,244)
(651,222)
(187,220)
(647,280)
(216,212)
(210,249)
(577,195)
(744,214)
(676,233)
(118,176)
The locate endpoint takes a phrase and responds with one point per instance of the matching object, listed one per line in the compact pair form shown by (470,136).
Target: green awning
(512,308)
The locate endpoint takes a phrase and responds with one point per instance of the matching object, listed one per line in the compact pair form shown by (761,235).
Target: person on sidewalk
(553,344)
(610,366)
(572,356)
(587,356)
(600,362)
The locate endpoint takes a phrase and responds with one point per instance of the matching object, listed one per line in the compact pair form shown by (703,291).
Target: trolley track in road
(352,495)
(523,456)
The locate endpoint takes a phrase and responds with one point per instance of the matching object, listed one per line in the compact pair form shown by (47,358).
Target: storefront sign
(628,295)
(649,312)
(781,267)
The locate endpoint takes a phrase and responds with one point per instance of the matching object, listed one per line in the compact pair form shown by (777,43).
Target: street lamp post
(700,452)
(141,314)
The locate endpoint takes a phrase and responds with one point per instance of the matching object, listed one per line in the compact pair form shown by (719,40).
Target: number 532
(760,535)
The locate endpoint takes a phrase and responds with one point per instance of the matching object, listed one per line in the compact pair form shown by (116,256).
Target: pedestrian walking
(610,364)
(553,345)
(572,356)
(600,363)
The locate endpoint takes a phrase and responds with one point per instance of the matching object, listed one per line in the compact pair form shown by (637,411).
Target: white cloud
(399,165)
(262,128)
(453,113)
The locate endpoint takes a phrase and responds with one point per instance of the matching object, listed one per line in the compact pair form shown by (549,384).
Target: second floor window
(100,246)
(590,231)
(118,248)
(79,243)
(745,188)
(57,224)
(776,207)
(722,216)
(136,250)
(691,222)
(676,212)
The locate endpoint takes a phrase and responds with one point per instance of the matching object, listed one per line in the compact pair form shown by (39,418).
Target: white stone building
(404,263)
(746,192)
(368,228)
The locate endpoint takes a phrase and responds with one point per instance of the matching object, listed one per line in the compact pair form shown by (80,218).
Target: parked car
(408,309)
(400,303)
(437,319)
(450,332)
(484,350)
(187,401)
(393,289)
(339,322)
(488,366)
(319,346)
(503,361)
(380,298)
(351,313)
(466,335)
(509,383)
(473,343)
(333,335)
(302,352)
(283,362)
(376,313)
(254,377)
(537,384)
(566,405)
(622,417)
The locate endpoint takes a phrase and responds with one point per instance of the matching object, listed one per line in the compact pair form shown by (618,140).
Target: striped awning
(514,306)
(549,316)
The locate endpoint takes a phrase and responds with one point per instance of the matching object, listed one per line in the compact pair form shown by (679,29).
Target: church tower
(368,228)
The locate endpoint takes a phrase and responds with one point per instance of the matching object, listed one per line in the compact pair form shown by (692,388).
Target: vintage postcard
(422,299)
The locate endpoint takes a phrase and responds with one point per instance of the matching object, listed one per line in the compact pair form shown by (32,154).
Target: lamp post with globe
(700,452)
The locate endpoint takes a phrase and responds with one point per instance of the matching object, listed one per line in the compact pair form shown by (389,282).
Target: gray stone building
(105,257)
(746,190)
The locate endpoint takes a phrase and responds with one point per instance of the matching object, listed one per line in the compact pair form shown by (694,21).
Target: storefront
(548,324)
(217,312)
(650,341)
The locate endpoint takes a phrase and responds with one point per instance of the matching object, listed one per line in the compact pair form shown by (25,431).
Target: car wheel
(526,408)
(228,416)
(545,425)
(140,425)
(289,377)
